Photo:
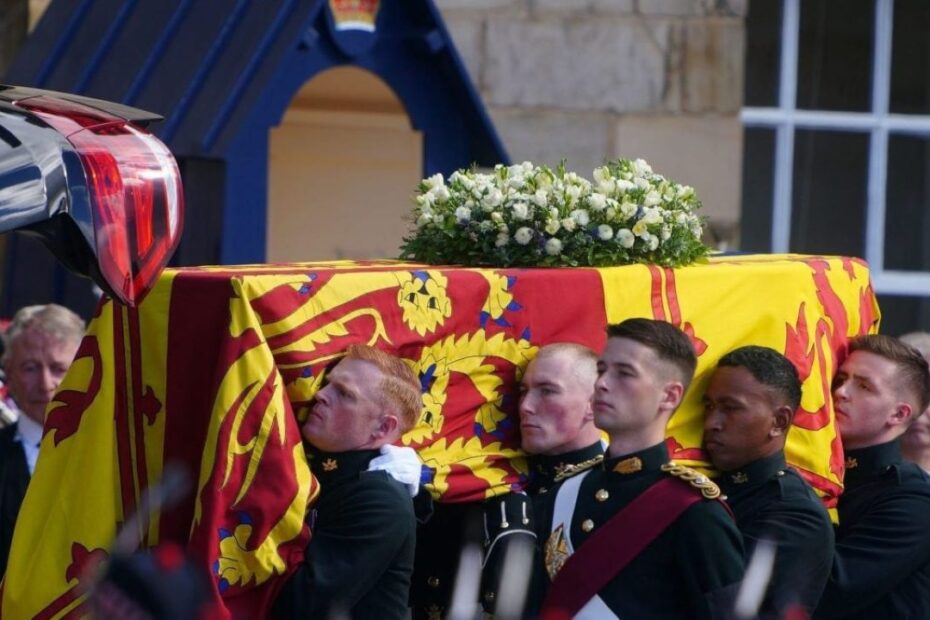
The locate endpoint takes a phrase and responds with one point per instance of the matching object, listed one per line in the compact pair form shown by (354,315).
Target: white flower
(626,238)
(523,235)
(425,200)
(569,224)
(601,174)
(640,229)
(653,242)
(521,211)
(497,217)
(502,240)
(651,199)
(597,201)
(666,232)
(552,226)
(492,199)
(440,192)
(581,217)
(623,186)
(607,186)
(433,181)
(541,198)
(641,168)
(463,214)
(486,226)
(641,183)
(685,191)
(424,219)
(553,247)
(627,210)
(573,192)
(610,214)
(605,232)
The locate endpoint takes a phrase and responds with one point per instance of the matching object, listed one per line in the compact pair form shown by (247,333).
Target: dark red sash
(608,550)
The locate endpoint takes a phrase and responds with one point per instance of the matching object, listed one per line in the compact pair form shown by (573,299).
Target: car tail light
(134,188)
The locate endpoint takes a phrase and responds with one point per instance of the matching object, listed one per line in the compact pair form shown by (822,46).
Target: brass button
(587,525)
(780,474)
(433,582)
(601,495)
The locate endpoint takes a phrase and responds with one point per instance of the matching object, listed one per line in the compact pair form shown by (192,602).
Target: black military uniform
(14,479)
(770,500)
(690,570)
(546,470)
(881,567)
(360,556)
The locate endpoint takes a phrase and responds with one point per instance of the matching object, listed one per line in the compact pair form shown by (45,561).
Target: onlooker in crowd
(360,557)
(915,443)
(40,345)
(632,539)
(881,565)
(749,405)
(556,418)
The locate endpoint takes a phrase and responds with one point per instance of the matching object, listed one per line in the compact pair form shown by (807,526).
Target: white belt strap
(565,500)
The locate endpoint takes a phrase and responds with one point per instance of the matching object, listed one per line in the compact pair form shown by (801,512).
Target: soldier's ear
(387,426)
(781,421)
(672,394)
(901,414)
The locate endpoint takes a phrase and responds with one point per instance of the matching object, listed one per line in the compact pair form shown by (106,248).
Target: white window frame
(878,123)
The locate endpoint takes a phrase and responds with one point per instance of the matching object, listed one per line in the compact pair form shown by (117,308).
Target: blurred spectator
(915,443)
(39,346)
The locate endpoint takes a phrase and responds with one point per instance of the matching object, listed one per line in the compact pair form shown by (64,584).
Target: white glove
(401,464)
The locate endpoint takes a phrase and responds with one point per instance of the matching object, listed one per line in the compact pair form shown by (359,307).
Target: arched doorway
(343,165)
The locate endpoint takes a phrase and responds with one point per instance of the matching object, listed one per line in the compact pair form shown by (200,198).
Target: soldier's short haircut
(913,372)
(669,343)
(585,359)
(770,368)
(56,322)
(399,387)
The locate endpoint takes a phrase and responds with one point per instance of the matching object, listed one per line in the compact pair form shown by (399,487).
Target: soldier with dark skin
(360,556)
(749,404)
(881,566)
(692,565)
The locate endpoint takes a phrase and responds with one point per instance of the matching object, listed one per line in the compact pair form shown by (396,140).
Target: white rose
(641,168)
(541,198)
(625,237)
(463,214)
(652,199)
(552,226)
(597,201)
(627,210)
(569,224)
(521,211)
(653,242)
(641,183)
(492,199)
(581,217)
(441,192)
(623,186)
(434,181)
(523,235)
(502,240)
(605,232)
(553,247)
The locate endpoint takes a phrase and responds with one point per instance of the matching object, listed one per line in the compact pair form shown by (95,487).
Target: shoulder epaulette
(699,481)
(570,470)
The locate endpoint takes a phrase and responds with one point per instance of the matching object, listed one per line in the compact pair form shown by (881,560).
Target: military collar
(547,467)
(753,474)
(635,464)
(331,467)
(866,463)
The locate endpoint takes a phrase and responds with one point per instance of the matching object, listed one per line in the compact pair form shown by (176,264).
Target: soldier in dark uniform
(881,565)
(556,418)
(749,404)
(360,556)
(640,537)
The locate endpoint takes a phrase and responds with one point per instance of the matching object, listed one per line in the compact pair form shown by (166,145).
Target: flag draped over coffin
(214,369)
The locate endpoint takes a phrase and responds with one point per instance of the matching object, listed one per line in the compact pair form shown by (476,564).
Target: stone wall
(587,80)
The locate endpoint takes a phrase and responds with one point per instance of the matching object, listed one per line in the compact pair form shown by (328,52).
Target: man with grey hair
(40,344)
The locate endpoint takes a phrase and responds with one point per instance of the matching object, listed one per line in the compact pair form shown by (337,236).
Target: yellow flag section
(806,307)
(101,448)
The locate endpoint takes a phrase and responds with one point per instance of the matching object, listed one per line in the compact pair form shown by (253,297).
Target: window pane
(904,314)
(835,55)
(758,171)
(907,199)
(829,193)
(910,58)
(763,38)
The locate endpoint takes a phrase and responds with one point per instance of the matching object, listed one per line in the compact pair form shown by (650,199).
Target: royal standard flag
(212,373)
